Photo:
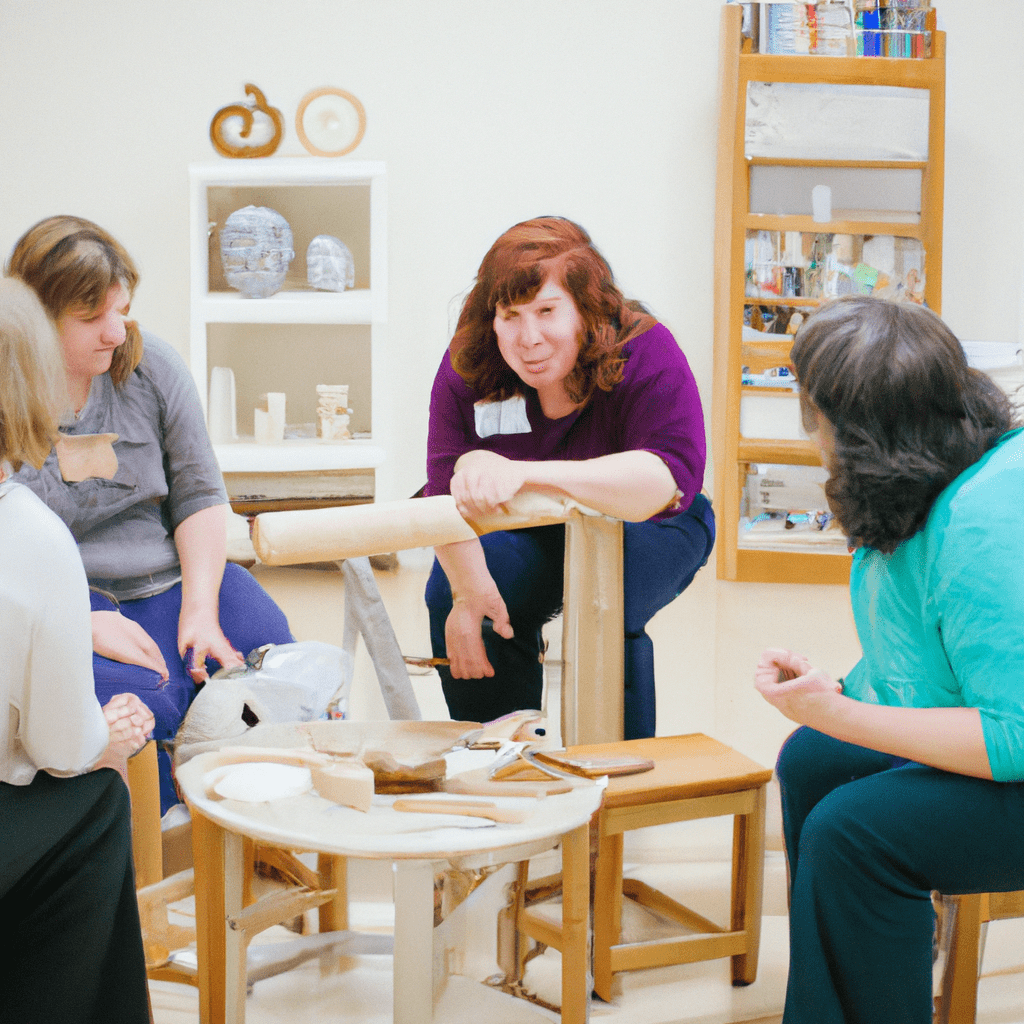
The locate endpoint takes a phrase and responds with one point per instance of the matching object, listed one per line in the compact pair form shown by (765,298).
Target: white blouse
(53,720)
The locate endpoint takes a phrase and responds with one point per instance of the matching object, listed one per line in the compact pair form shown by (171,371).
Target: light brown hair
(512,272)
(72,264)
(33,390)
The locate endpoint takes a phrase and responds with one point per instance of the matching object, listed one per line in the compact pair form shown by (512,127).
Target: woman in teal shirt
(907,774)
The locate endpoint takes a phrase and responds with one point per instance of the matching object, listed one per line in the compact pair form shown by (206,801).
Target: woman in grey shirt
(134,477)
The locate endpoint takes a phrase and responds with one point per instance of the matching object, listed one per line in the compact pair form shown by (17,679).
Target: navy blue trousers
(249,619)
(659,561)
(70,944)
(868,837)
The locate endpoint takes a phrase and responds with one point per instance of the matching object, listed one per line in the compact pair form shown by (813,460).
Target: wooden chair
(694,777)
(962,921)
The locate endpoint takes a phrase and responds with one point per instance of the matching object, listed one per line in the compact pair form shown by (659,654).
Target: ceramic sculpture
(332,411)
(329,264)
(256,250)
(231,130)
(268,418)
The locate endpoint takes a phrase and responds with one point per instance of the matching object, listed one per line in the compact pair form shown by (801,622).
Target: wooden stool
(693,777)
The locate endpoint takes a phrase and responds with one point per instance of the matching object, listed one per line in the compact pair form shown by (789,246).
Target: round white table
(224,830)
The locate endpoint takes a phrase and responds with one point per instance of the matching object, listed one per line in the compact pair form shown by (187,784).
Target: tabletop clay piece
(329,264)
(256,250)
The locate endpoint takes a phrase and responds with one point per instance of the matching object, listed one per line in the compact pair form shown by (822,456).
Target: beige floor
(690,861)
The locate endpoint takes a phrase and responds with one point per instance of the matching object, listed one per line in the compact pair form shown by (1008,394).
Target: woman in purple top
(553,381)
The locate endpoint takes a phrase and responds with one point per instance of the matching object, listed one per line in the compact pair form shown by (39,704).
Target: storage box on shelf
(299,337)
(830,177)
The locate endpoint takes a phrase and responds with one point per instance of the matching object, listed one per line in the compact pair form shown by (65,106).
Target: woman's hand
(131,724)
(201,540)
(804,694)
(484,482)
(200,637)
(121,639)
(475,597)
(463,636)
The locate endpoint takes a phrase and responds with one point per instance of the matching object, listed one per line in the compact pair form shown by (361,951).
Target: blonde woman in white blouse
(73,948)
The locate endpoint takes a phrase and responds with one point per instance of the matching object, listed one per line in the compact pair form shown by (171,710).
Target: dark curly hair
(512,272)
(907,412)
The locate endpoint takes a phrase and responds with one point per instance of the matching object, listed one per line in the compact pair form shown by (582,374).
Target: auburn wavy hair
(907,413)
(72,264)
(512,272)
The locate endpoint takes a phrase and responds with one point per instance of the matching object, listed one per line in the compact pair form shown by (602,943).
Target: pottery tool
(469,808)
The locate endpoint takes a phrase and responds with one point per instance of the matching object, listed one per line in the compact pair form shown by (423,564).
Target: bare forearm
(201,541)
(465,566)
(627,485)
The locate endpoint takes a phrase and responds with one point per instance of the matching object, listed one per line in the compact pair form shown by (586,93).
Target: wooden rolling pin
(329,534)
(470,808)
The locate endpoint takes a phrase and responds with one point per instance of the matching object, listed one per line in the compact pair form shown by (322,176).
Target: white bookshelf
(299,337)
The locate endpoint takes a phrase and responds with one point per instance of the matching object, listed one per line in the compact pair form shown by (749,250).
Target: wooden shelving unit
(784,559)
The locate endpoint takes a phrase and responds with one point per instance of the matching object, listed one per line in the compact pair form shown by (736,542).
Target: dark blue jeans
(868,837)
(249,619)
(659,561)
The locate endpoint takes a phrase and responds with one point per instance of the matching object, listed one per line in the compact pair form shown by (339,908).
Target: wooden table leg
(607,910)
(238,854)
(208,857)
(748,887)
(576,976)
(414,942)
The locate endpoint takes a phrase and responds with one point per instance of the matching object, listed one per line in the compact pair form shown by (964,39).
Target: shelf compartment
(858,193)
(822,263)
(294,359)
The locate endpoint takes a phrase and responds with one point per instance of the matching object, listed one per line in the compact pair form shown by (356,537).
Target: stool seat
(694,776)
(685,767)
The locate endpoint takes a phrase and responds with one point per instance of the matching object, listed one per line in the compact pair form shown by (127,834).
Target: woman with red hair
(553,381)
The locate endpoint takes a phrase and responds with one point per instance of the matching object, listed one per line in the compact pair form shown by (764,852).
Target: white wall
(486,113)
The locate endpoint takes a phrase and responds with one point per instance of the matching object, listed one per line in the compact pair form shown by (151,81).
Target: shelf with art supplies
(840,28)
(784,509)
(787,266)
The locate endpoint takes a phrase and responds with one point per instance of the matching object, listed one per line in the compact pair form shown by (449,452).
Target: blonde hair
(72,264)
(33,389)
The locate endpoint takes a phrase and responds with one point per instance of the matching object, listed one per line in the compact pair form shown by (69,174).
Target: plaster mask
(329,264)
(256,250)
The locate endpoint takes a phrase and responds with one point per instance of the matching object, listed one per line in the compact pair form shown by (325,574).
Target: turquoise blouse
(941,619)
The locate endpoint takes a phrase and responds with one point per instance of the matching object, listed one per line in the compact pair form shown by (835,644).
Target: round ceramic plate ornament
(330,122)
(256,782)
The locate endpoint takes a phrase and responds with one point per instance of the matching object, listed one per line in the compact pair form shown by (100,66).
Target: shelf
(286,170)
(809,226)
(875,164)
(289,307)
(789,453)
(760,566)
(298,456)
(909,73)
(779,300)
